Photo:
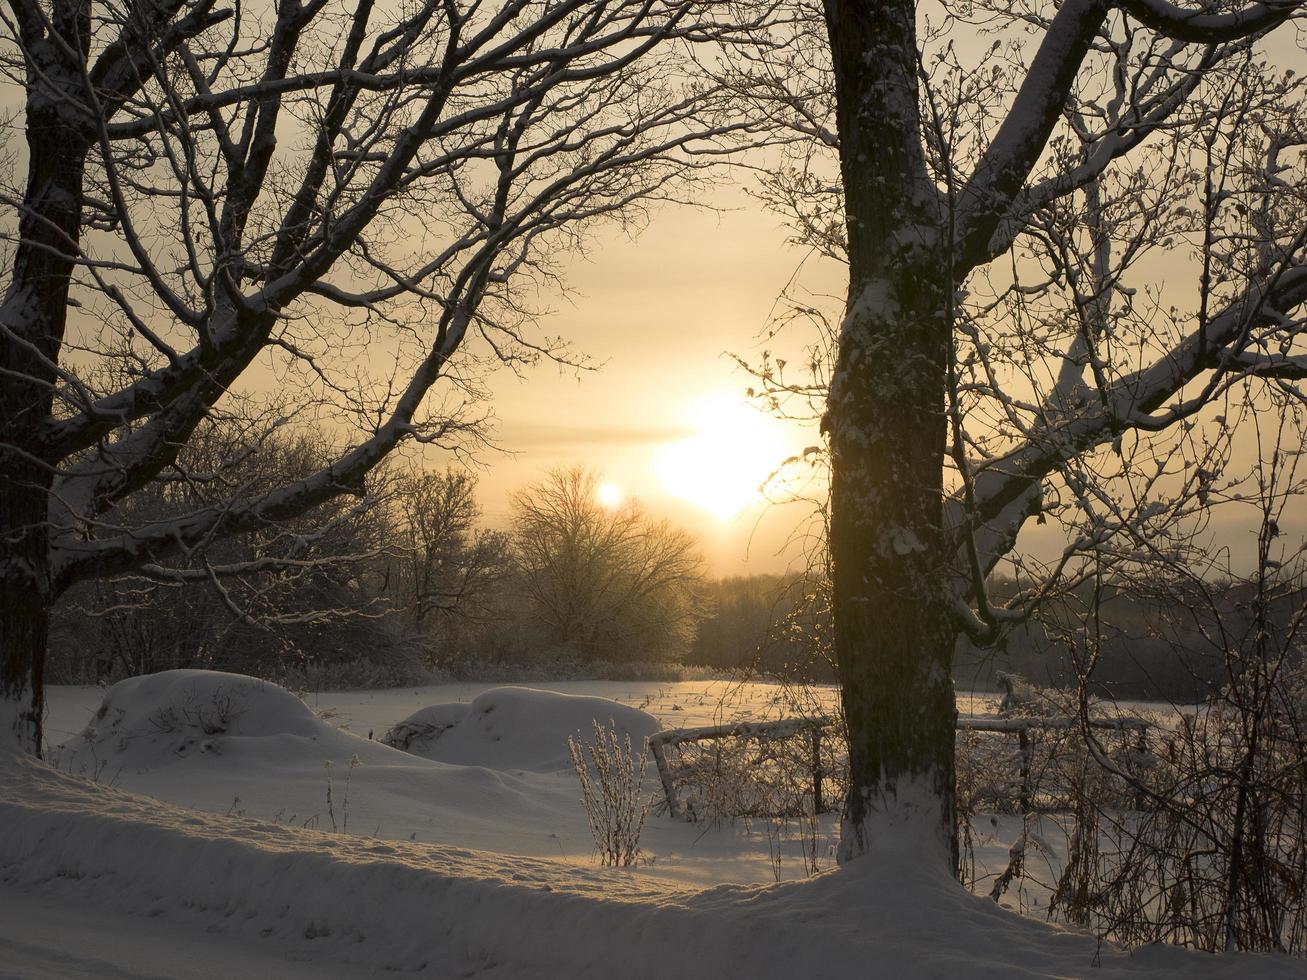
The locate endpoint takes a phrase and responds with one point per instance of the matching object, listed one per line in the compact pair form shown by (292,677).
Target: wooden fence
(758,730)
(815,728)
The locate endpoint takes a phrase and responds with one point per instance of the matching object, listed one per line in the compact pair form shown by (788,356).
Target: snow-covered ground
(210,806)
(55,933)
(475,793)
(677,704)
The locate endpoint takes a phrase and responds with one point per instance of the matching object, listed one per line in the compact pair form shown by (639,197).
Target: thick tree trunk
(894,632)
(24,631)
(32,319)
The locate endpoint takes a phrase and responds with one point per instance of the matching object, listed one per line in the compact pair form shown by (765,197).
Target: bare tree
(442,567)
(603,581)
(323,193)
(1017,188)
(261,602)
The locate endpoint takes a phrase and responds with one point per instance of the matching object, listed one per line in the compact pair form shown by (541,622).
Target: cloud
(526,437)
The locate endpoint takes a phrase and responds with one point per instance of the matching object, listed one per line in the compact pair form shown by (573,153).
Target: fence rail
(815,727)
(758,730)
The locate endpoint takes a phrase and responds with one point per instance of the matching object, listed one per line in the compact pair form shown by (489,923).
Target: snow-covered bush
(145,721)
(513,728)
(611,772)
(418,731)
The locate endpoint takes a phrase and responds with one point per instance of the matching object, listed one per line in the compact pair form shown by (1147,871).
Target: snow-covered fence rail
(759,732)
(1023,727)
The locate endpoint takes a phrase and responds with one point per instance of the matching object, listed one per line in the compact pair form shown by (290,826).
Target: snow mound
(178,713)
(517,728)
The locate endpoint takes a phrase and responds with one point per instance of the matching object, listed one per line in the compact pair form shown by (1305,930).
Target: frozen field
(491,805)
(677,704)
(202,805)
(396,796)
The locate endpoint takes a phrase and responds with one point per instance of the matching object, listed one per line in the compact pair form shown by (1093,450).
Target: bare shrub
(1048,768)
(786,772)
(1198,834)
(354,763)
(770,777)
(211,715)
(806,830)
(612,781)
(988,773)
(1218,859)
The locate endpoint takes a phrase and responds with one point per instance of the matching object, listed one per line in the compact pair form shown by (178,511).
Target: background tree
(1016,188)
(442,570)
(603,582)
(355,203)
(290,594)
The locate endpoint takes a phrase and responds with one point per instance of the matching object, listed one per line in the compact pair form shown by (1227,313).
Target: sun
(721,467)
(609,495)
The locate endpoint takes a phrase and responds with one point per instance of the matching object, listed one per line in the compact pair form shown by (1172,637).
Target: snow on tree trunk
(32,319)
(894,632)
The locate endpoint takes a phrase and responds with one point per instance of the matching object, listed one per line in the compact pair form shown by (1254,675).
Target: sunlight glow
(721,466)
(609,494)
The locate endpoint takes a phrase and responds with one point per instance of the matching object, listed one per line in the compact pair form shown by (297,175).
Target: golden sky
(664,417)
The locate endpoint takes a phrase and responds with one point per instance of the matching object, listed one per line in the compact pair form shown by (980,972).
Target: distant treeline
(1148,640)
(387,586)
(383,587)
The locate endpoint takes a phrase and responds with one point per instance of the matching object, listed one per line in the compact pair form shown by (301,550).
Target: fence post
(1024,734)
(1141,745)
(817,805)
(665,774)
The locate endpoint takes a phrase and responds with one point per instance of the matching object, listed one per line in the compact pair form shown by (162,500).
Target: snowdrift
(444,911)
(506,892)
(146,720)
(228,743)
(515,728)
